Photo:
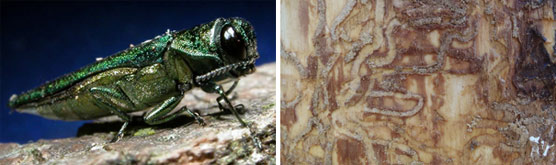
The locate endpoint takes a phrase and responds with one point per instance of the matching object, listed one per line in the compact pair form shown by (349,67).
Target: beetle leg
(232,87)
(239,107)
(111,99)
(212,88)
(224,96)
(160,113)
(195,115)
(228,92)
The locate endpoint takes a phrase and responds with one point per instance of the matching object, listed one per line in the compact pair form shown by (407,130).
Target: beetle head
(238,45)
(218,51)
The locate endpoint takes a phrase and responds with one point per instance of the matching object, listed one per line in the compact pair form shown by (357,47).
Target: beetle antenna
(220,71)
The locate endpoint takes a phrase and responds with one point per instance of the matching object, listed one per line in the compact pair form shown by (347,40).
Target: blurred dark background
(44,40)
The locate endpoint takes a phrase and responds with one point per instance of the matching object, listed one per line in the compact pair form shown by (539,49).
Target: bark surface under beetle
(400,82)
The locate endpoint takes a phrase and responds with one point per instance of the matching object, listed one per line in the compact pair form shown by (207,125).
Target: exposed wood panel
(399,82)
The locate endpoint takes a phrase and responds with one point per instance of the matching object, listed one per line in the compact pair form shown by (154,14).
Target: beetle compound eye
(232,42)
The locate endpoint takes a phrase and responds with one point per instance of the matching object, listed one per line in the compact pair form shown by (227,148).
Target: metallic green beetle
(155,74)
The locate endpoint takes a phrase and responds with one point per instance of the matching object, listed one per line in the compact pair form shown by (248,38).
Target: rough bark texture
(424,82)
(221,141)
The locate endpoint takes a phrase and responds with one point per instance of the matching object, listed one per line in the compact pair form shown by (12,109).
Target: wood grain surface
(418,82)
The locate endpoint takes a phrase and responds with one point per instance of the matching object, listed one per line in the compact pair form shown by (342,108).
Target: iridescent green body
(67,97)
(154,74)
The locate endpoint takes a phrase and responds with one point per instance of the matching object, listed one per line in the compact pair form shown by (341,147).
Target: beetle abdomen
(76,103)
(145,54)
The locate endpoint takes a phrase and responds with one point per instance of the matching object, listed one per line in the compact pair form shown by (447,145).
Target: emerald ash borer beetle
(157,73)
